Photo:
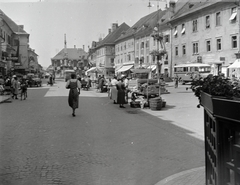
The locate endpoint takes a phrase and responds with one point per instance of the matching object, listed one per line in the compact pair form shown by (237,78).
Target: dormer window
(233,17)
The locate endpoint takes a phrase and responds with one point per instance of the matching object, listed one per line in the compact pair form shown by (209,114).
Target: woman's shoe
(73,114)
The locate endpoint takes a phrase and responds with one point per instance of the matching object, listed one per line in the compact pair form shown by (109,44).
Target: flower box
(221,107)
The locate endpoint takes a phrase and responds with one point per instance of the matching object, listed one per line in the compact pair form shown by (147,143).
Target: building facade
(14,49)
(69,58)
(105,50)
(206,32)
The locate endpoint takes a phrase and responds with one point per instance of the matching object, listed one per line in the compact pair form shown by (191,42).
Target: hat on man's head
(14,76)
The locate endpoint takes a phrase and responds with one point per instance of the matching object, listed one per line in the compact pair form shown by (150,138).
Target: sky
(83,21)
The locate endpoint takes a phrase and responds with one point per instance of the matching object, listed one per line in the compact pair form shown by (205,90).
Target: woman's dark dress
(73,95)
(121,93)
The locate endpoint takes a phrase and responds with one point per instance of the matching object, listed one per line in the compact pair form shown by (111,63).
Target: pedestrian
(176,81)
(101,83)
(15,87)
(23,87)
(121,93)
(51,80)
(74,85)
(7,85)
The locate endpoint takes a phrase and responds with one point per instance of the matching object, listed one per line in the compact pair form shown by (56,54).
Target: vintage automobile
(33,80)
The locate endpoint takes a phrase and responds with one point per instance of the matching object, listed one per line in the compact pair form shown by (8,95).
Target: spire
(65,46)
(65,42)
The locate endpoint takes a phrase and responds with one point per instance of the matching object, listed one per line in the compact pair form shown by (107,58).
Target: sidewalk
(4,98)
(186,102)
(194,176)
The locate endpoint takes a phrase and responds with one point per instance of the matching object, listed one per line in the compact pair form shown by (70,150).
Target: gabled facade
(206,31)
(70,58)
(105,50)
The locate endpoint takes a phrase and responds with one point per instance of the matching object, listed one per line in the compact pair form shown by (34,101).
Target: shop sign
(17,64)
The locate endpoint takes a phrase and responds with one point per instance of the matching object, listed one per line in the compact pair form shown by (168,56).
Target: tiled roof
(72,54)
(191,6)
(143,23)
(14,27)
(111,37)
(150,23)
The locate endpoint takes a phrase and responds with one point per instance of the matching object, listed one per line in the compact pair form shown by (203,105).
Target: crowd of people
(13,86)
(119,84)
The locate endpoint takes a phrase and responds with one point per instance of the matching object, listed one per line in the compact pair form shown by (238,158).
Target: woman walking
(74,85)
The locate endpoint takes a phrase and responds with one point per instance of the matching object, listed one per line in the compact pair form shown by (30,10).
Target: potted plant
(218,95)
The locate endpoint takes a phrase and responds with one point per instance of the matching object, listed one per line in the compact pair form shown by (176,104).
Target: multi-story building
(14,47)
(207,32)
(133,48)
(105,49)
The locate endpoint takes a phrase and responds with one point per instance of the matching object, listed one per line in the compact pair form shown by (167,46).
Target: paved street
(41,143)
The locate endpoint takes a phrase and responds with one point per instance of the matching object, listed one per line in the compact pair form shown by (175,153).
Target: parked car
(33,80)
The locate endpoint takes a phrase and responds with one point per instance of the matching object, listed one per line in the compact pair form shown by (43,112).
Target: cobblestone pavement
(42,144)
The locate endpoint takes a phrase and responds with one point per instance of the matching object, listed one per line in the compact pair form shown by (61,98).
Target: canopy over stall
(235,69)
(125,68)
(235,65)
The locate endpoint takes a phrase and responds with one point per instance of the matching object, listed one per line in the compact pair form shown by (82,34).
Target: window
(194,25)
(183,29)
(147,44)
(142,45)
(195,48)
(166,38)
(218,19)
(175,31)
(233,17)
(208,45)
(207,21)
(176,50)
(184,49)
(219,44)
(234,42)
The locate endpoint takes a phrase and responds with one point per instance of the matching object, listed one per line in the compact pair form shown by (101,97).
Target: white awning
(183,30)
(152,67)
(125,68)
(233,16)
(235,65)
(91,69)
(175,33)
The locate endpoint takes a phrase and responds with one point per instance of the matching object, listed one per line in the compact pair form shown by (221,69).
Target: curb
(195,176)
(4,98)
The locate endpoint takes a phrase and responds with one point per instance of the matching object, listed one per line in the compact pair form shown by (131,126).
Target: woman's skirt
(73,98)
(121,97)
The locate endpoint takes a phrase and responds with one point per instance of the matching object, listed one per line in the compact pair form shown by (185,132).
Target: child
(23,87)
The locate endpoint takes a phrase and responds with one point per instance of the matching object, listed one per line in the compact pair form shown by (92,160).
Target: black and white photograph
(120,92)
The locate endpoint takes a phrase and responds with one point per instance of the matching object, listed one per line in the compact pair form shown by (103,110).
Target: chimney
(114,26)
(21,26)
(172,5)
(74,46)
(83,48)
(109,30)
